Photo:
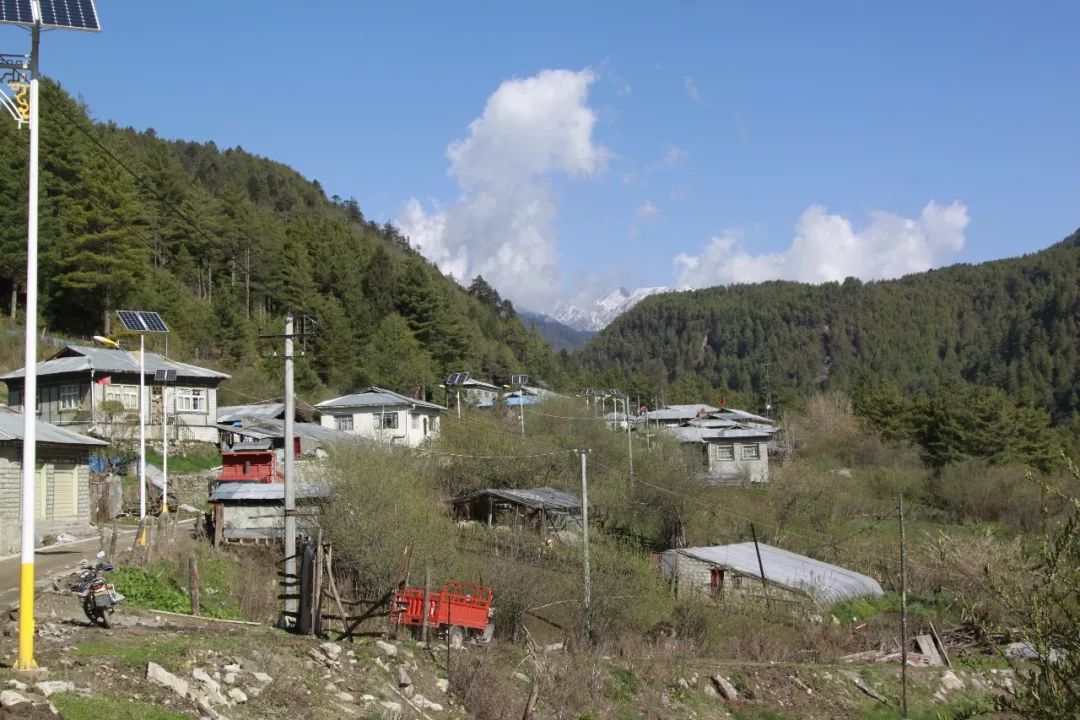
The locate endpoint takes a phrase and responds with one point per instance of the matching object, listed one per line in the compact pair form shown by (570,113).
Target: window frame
(339,422)
(124,392)
(725,452)
(381,421)
(190,399)
(751,451)
(70,396)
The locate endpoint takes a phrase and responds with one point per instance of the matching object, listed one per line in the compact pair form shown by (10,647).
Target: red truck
(459,610)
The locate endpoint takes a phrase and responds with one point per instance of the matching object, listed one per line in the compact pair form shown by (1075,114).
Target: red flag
(104,380)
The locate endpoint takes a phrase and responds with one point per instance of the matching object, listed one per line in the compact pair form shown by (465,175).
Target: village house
(88,389)
(383,416)
(731,453)
(62,481)
(478,393)
(549,512)
(732,572)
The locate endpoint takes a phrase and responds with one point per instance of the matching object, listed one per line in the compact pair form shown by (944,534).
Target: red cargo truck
(459,610)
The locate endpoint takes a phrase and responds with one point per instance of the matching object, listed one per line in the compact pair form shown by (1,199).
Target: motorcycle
(99,598)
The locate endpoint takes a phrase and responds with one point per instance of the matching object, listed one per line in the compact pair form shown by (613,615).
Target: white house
(382,415)
(89,389)
(734,444)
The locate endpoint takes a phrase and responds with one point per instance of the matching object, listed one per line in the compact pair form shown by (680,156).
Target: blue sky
(690,143)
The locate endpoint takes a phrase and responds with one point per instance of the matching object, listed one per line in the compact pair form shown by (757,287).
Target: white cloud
(674,156)
(646,210)
(503,224)
(691,88)
(827,247)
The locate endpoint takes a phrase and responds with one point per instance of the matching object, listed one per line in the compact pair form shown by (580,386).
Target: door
(41,497)
(65,491)
(716,583)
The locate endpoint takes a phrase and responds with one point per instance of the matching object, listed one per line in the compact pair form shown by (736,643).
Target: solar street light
(19,73)
(142,322)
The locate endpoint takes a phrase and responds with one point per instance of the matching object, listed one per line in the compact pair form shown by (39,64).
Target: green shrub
(155,588)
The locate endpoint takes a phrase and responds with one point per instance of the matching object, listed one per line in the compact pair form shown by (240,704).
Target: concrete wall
(62,500)
(409,432)
(727,459)
(693,578)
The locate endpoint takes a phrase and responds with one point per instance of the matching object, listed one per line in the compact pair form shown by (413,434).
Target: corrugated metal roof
(679,412)
(81,358)
(742,415)
(822,581)
(11,429)
(543,497)
(272,429)
(691,433)
(265,492)
(376,397)
(474,384)
(255,411)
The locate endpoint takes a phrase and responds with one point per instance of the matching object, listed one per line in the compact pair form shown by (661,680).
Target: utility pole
(903,614)
(629,437)
(291,606)
(585,541)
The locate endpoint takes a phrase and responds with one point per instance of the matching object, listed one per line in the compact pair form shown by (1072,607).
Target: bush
(155,588)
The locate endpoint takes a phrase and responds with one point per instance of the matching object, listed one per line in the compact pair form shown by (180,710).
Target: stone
(710,692)
(443,684)
(261,677)
(211,687)
(367,699)
(232,668)
(20,686)
(157,674)
(382,664)
(237,695)
(345,697)
(725,688)
(388,649)
(683,684)
(331,650)
(391,707)
(424,704)
(12,697)
(949,681)
(522,677)
(229,679)
(51,687)
(403,679)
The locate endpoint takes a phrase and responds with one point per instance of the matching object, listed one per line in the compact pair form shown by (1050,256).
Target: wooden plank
(941,645)
(926,647)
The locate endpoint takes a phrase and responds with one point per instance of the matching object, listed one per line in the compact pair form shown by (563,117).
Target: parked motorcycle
(99,598)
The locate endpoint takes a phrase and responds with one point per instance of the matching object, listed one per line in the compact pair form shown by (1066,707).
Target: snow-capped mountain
(608,307)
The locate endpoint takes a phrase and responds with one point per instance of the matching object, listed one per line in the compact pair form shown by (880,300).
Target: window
(725,451)
(343,422)
(126,395)
(386,421)
(190,400)
(15,398)
(751,452)
(70,397)
(414,420)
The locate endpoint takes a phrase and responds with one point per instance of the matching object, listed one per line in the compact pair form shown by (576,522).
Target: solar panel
(165,375)
(70,14)
(16,11)
(141,321)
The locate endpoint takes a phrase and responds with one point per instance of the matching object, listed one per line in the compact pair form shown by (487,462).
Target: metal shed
(545,509)
(713,571)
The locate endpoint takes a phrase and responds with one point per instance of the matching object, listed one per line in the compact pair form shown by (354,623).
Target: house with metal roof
(61,480)
(731,453)
(246,511)
(550,512)
(89,389)
(266,421)
(728,572)
(383,416)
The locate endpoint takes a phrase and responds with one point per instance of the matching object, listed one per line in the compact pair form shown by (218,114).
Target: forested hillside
(1011,324)
(222,242)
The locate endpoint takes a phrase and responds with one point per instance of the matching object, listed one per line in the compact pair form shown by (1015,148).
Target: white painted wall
(410,430)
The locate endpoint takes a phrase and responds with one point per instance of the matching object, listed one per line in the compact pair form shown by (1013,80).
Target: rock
(211,687)
(424,704)
(725,688)
(403,679)
(157,674)
(12,697)
(232,668)
(345,697)
(386,648)
(522,677)
(349,710)
(949,681)
(261,677)
(391,707)
(331,650)
(51,687)
(229,679)
(862,685)
(382,663)
(237,695)
(710,692)
(20,686)
(443,684)
(367,699)
(683,684)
